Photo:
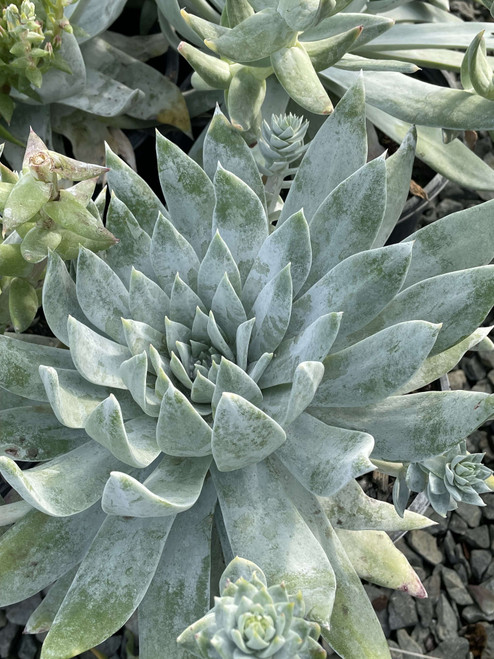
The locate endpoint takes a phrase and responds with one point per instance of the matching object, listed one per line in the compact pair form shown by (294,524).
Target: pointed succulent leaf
(338,151)
(476,72)
(246,94)
(101,295)
(66,485)
(148,302)
(240,219)
(254,38)
(242,433)
(132,249)
(23,303)
(312,344)
(133,443)
(228,309)
(376,559)
(359,287)
(134,375)
(96,358)
(436,247)
(184,302)
(232,379)
(73,398)
(181,431)
(324,458)
(294,69)
(299,15)
(42,617)
(460,300)
(179,574)
(40,549)
(130,572)
(272,310)
(417,426)
(351,508)
(242,341)
(443,362)
(214,71)
(217,261)
(289,244)
(174,486)
(217,338)
(328,52)
(373,369)
(38,241)
(26,198)
(171,253)
(306,379)
(19,362)
(348,219)
(60,298)
(13,512)
(134,192)
(224,145)
(398,174)
(298,559)
(188,192)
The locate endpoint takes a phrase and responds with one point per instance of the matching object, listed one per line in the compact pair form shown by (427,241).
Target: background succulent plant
(217,363)
(387,40)
(101,85)
(445,479)
(38,214)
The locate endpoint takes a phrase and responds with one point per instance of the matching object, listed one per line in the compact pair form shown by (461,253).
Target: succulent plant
(251,620)
(217,363)
(38,214)
(94,83)
(445,480)
(315,47)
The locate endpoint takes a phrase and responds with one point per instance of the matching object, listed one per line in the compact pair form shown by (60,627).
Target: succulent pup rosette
(218,367)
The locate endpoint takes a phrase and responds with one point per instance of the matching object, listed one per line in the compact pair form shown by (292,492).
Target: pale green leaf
(370,370)
(228,310)
(97,358)
(171,253)
(148,302)
(184,569)
(232,379)
(133,443)
(324,458)
(134,192)
(181,431)
(242,433)
(102,296)
(188,192)
(39,549)
(217,261)
(376,559)
(67,484)
(272,309)
(109,584)
(338,150)
(348,220)
(306,379)
(33,434)
(240,218)
(290,243)
(415,427)
(174,486)
(42,617)
(296,557)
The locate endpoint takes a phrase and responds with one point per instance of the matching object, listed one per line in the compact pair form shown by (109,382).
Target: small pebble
(402,611)
(479,562)
(458,379)
(470,514)
(425,545)
(457,524)
(484,598)
(406,642)
(447,624)
(455,587)
(478,538)
(452,648)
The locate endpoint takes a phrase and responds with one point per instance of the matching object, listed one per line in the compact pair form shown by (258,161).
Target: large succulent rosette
(217,364)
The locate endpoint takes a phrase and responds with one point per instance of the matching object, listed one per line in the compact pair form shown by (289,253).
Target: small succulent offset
(39,214)
(251,620)
(445,480)
(222,369)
